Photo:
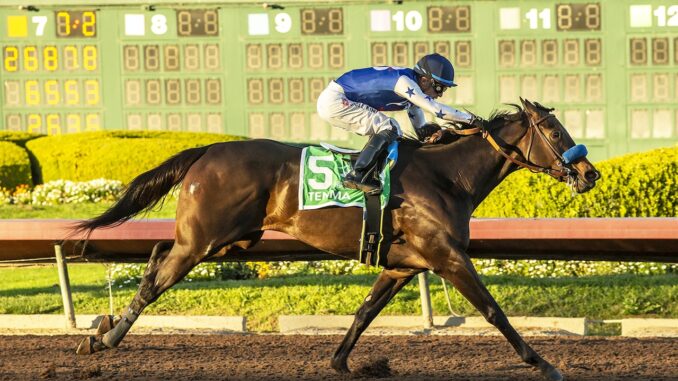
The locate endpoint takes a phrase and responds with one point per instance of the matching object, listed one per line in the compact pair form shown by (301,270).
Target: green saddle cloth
(320,186)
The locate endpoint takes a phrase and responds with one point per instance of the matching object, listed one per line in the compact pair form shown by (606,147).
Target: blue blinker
(575,153)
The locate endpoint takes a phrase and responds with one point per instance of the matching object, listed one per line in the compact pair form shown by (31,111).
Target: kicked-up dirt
(301,357)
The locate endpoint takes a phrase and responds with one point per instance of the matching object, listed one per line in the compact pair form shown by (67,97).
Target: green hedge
(114,155)
(635,185)
(19,138)
(15,167)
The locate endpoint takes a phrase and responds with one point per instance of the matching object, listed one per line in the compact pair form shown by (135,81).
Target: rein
(555,173)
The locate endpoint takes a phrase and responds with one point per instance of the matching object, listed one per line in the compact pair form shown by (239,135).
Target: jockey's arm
(416,116)
(410,90)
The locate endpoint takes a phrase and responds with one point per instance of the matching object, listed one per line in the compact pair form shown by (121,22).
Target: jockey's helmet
(437,68)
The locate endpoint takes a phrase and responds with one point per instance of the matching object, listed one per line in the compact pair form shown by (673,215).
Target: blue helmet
(437,68)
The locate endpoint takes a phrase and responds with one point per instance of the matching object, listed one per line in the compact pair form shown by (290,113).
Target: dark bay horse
(232,192)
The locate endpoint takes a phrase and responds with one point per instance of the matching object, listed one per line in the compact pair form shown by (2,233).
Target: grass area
(74,211)
(34,290)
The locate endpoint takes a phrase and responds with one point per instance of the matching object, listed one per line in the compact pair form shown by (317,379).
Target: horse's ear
(526,104)
(529,107)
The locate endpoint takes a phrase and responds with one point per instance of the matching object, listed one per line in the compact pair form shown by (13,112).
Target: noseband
(559,174)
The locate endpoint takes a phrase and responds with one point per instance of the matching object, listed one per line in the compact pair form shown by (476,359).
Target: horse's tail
(145,191)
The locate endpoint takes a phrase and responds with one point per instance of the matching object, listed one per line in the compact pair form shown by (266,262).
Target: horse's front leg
(384,289)
(458,269)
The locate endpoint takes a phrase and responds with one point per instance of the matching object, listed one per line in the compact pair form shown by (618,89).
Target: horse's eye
(555,135)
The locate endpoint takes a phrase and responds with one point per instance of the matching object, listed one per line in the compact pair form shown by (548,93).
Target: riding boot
(363,176)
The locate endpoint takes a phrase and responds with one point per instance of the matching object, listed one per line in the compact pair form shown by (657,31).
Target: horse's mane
(499,117)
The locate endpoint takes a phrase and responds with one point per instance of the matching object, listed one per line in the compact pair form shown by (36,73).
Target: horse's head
(549,147)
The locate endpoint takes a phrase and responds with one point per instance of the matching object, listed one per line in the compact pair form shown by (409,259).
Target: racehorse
(231,192)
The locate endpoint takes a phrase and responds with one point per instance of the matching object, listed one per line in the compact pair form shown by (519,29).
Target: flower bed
(63,192)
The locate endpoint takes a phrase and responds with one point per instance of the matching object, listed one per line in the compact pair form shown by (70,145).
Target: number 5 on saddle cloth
(320,186)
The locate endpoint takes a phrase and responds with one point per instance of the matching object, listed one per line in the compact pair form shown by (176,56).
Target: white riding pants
(339,111)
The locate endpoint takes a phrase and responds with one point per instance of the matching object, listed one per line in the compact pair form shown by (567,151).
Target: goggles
(438,87)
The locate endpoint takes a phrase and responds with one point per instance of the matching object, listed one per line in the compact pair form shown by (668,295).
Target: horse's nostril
(592,175)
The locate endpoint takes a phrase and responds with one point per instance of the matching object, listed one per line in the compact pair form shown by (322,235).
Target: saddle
(322,188)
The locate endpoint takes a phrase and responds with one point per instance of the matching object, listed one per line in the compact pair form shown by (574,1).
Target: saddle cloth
(320,174)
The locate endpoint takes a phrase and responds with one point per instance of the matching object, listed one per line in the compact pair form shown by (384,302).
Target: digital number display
(52,82)
(556,88)
(54,123)
(163,68)
(75,23)
(295,56)
(201,22)
(657,52)
(160,75)
(527,55)
(406,54)
(580,16)
(295,90)
(275,88)
(322,21)
(270,56)
(52,92)
(449,19)
(175,85)
(195,91)
(379,54)
(171,57)
(593,51)
(399,54)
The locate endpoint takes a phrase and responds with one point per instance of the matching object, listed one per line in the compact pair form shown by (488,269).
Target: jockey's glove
(477,122)
(425,131)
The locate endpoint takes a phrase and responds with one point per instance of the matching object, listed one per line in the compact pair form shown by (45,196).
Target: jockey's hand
(477,122)
(437,136)
(426,131)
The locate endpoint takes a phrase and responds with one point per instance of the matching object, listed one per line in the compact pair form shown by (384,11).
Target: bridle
(559,174)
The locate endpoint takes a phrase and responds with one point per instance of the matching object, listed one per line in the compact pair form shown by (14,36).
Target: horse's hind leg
(460,271)
(384,289)
(168,265)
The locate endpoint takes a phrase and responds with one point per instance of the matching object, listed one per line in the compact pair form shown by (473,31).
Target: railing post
(65,286)
(426,309)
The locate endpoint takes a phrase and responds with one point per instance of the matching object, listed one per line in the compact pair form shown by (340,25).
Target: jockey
(355,102)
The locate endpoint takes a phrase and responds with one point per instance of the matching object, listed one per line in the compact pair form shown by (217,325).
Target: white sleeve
(416,116)
(408,89)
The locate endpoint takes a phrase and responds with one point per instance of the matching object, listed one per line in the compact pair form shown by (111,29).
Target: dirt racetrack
(279,357)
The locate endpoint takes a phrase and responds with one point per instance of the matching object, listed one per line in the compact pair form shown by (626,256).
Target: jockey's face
(428,88)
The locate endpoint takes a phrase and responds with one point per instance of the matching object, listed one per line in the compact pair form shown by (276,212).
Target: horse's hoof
(107,323)
(340,366)
(90,345)
(552,374)
(86,346)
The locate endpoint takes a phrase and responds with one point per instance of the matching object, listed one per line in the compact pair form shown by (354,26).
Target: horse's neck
(478,168)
